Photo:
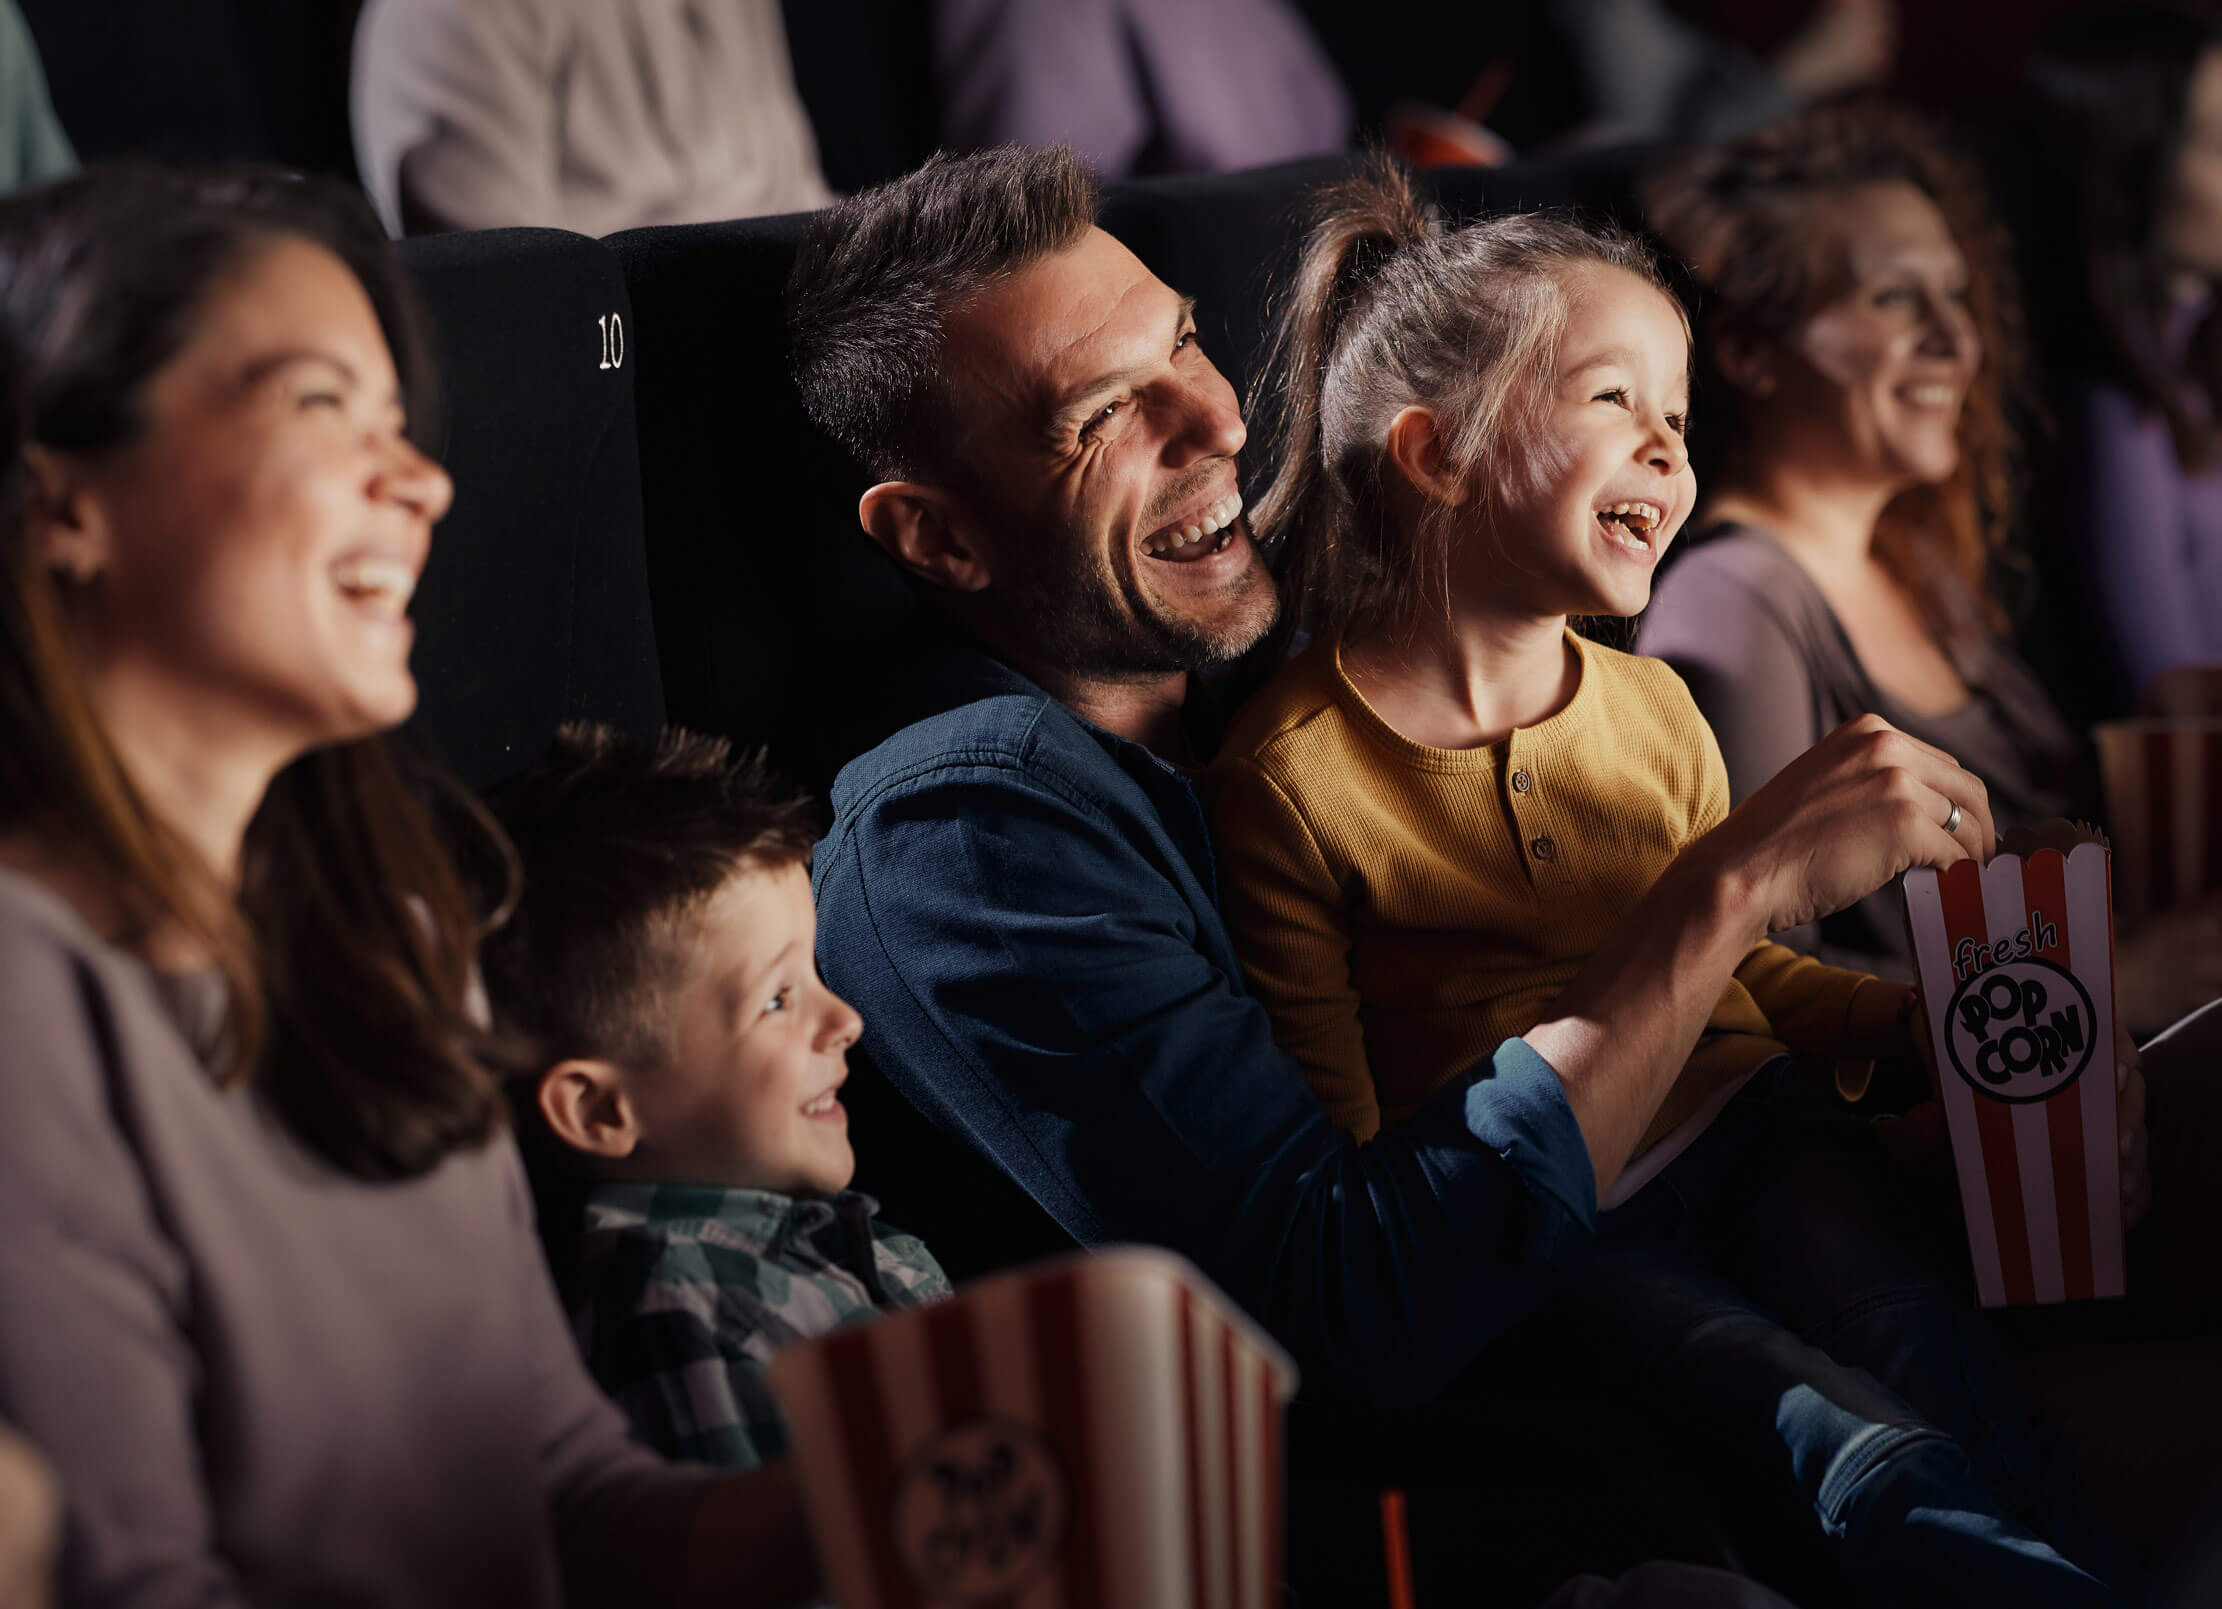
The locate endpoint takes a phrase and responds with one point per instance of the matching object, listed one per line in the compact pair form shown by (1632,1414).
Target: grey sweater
(259,1380)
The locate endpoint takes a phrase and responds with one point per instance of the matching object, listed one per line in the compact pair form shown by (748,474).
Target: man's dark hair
(619,842)
(876,274)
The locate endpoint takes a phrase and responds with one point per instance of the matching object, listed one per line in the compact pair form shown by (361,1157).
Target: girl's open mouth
(1629,526)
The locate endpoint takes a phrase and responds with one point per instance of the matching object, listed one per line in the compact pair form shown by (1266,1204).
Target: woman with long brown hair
(269,1296)
(1860,358)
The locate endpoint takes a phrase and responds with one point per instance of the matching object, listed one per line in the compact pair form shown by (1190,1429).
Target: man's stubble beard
(1074,618)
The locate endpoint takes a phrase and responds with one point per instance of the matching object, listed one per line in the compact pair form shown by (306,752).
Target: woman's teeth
(388,583)
(1932,396)
(1216,519)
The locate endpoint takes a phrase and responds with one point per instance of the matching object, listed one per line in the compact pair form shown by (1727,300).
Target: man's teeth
(819,1106)
(1216,519)
(376,580)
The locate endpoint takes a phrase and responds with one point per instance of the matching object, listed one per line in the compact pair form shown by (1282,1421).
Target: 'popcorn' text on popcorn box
(2016,965)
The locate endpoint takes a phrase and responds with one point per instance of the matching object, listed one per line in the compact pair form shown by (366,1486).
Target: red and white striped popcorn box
(2017,976)
(2163,781)
(1096,1432)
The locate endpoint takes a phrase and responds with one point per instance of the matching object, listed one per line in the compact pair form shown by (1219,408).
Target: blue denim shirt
(1023,907)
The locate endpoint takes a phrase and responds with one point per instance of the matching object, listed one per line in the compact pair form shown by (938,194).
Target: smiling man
(1018,891)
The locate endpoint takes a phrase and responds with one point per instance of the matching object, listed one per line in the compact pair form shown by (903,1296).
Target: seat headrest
(534,609)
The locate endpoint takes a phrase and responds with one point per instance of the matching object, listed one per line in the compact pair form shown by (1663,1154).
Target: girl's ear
(1746,364)
(1416,448)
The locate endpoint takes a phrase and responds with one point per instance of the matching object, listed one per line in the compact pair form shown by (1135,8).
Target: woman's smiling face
(1879,373)
(257,541)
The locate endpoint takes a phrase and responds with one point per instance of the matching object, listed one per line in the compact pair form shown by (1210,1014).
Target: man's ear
(585,1104)
(927,532)
(1746,364)
(68,523)
(1416,449)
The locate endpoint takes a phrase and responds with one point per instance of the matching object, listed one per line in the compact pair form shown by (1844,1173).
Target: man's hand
(1862,805)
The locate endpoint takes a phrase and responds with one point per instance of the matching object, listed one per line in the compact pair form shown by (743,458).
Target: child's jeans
(1761,1295)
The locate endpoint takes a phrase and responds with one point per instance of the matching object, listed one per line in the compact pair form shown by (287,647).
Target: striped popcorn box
(1096,1432)
(2017,976)
(2164,806)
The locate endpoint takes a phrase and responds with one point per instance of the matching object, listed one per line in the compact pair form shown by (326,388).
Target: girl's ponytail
(1358,227)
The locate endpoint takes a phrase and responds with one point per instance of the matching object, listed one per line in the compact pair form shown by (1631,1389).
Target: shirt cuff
(1519,1111)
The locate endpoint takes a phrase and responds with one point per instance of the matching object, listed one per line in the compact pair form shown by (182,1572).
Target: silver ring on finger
(1952,822)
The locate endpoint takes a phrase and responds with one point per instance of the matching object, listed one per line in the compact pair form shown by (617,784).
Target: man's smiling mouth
(1193,538)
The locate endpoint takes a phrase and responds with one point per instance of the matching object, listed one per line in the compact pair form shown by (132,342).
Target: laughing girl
(1435,813)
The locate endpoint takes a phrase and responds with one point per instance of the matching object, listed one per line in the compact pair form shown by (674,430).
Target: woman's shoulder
(71,1008)
(1730,559)
(1734,592)
(43,940)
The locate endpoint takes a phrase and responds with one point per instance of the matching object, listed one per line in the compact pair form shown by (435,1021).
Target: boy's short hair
(619,842)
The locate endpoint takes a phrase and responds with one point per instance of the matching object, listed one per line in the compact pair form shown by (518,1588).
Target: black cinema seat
(775,617)
(534,609)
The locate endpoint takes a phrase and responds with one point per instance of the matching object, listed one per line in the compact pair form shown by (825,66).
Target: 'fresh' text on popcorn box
(2017,977)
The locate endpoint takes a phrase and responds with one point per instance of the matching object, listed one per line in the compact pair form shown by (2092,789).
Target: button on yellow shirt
(1402,910)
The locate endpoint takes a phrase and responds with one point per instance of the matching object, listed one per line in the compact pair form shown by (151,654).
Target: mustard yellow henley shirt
(1401,910)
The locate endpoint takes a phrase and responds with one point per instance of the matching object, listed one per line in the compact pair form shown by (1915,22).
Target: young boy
(660,967)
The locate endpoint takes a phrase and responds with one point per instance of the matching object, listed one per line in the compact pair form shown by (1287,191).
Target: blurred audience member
(1643,73)
(33,147)
(1138,86)
(30,1518)
(269,1294)
(2128,100)
(1857,471)
(593,115)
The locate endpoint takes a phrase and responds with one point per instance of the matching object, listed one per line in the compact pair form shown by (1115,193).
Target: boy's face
(755,1048)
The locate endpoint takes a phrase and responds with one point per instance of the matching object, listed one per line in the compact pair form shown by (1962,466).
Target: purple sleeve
(2126,509)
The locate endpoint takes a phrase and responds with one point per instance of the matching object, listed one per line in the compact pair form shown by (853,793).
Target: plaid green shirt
(686,1292)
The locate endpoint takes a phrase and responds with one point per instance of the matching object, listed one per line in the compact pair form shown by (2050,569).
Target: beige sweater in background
(592,115)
